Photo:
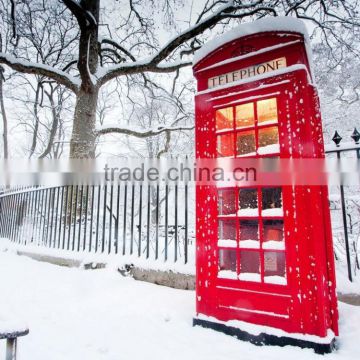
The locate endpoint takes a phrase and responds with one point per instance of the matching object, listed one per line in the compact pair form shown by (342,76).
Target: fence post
(337,139)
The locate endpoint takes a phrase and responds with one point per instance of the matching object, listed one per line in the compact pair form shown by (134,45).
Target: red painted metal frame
(307,304)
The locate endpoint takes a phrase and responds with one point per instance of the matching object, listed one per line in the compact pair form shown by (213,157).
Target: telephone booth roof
(251,42)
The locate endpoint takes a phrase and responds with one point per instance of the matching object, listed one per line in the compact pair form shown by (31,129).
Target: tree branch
(27,67)
(54,126)
(166,146)
(71,63)
(115,53)
(152,64)
(36,116)
(222,13)
(139,67)
(119,47)
(142,133)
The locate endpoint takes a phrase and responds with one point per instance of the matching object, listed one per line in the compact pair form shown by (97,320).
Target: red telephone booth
(265,264)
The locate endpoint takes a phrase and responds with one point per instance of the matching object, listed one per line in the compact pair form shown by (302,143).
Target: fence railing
(339,150)
(128,219)
(150,221)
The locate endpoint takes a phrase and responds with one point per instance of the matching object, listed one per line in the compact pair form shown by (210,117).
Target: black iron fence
(128,219)
(349,201)
(150,221)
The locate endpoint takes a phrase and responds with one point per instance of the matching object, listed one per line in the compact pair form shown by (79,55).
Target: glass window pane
(224,119)
(248,202)
(245,143)
(274,267)
(244,115)
(249,234)
(227,264)
(271,202)
(226,202)
(269,140)
(273,234)
(267,111)
(225,145)
(249,265)
(227,233)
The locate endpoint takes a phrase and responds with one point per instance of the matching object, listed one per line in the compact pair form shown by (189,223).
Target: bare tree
(136,48)
(56,124)
(42,114)
(339,87)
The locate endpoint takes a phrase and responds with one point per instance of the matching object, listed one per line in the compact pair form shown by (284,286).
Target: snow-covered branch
(141,133)
(28,67)
(137,67)
(193,31)
(228,10)
(153,63)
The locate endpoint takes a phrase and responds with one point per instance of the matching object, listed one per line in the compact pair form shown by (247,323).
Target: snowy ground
(343,285)
(78,314)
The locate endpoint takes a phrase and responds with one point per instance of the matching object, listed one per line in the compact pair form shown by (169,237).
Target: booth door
(251,242)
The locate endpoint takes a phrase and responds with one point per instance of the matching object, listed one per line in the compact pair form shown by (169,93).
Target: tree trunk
(36,115)
(54,126)
(82,144)
(3,113)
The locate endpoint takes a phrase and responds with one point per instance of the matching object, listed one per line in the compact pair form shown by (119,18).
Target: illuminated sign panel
(247,72)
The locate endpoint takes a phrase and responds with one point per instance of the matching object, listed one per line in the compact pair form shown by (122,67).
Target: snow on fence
(149,221)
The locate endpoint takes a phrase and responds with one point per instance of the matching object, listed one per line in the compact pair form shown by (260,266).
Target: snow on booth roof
(269,24)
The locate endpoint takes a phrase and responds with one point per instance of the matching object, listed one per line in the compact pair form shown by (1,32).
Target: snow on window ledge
(274,279)
(268,122)
(250,277)
(227,274)
(250,244)
(244,155)
(248,212)
(272,212)
(269,149)
(274,245)
(227,243)
(224,130)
